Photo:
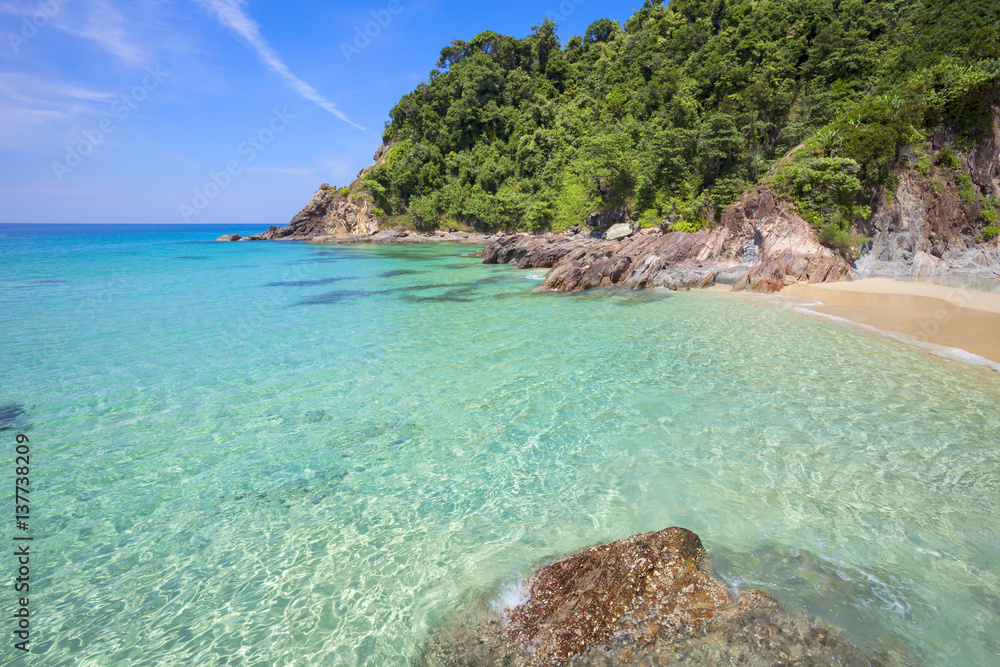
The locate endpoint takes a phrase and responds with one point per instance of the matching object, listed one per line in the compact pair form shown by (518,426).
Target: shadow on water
(458,295)
(307,283)
(618,296)
(311,489)
(398,272)
(340,296)
(10,416)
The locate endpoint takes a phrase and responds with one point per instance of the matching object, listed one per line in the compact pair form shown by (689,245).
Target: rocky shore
(761,245)
(649,599)
(926,226)
(386,237)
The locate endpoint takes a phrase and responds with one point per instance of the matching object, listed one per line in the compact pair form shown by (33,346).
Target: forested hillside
(673,116)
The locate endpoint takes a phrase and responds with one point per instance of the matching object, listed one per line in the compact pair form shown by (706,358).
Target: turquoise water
(289,454)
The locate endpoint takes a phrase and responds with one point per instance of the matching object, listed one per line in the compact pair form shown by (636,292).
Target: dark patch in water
(639,297)
(324,258)
(312,488)
(315,416)
(491,280)
(306,283)
(337,296)
(614,295)
(398,272)
(9,415)
(458,295)
(463,265)
(45,281)
(195,257)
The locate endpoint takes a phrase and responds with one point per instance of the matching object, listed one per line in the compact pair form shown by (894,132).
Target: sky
(218,111)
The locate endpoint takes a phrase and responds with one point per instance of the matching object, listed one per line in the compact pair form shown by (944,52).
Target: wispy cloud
(31,105)
(105,26)
(230,13)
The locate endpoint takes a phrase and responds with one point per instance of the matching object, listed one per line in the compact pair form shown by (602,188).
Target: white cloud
(230,13)
(104,25)
(30,105)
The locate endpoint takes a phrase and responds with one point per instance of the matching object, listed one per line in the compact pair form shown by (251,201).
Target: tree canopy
(677,112)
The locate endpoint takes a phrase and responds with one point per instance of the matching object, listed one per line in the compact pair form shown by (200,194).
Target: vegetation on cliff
(673,116)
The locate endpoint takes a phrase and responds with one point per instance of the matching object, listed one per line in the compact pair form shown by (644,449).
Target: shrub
(964,185)
(946,158)
(992,228)
(843,240)
(343,192)
(824,190)
(924,163)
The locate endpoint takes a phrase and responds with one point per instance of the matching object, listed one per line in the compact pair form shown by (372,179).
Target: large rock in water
(648,599)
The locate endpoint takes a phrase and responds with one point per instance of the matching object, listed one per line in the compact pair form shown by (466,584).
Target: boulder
(648,599)
(619,231)
(229,238)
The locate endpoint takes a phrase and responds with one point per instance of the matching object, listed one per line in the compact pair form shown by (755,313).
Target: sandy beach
(948,316)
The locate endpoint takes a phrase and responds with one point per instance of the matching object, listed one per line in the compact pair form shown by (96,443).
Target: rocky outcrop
(649,599)
(762,244)
(928,230)
(266,236)
(404,237)
(330,214)
(930,224)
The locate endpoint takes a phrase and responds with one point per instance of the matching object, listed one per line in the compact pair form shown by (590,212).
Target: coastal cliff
(932,223)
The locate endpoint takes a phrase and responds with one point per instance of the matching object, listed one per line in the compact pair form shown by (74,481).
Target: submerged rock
(648,599)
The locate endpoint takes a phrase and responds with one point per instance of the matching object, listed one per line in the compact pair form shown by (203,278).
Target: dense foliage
(675,114)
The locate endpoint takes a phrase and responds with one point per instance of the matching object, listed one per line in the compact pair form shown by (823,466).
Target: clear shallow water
(286,454)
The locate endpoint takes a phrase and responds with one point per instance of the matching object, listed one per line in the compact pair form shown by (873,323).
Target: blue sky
(217,111)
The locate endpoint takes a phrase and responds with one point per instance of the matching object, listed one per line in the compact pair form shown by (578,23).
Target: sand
(948,316)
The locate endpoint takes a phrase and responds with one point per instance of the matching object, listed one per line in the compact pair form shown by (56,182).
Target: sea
(291,454)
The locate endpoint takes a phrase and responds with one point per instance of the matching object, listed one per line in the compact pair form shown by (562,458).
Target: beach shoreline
(925,313)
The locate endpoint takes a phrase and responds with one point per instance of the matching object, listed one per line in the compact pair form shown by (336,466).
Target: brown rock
(760,237)
(648,599)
